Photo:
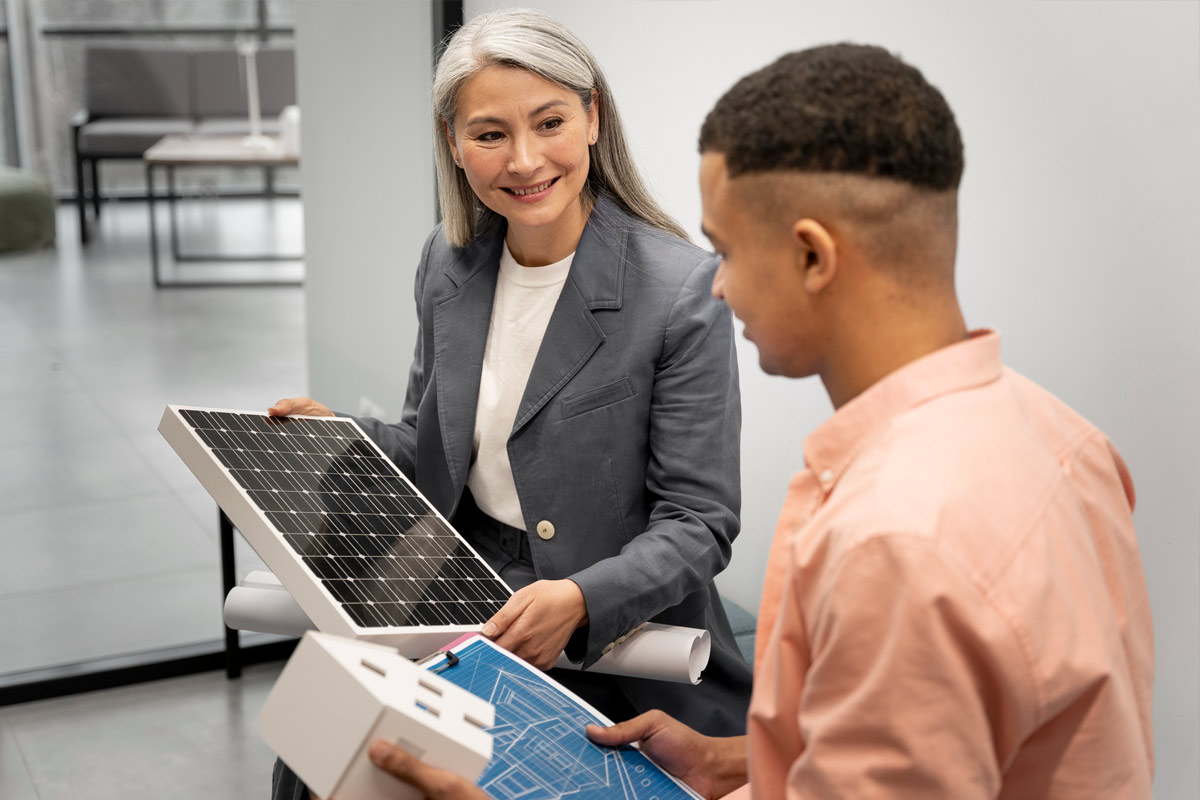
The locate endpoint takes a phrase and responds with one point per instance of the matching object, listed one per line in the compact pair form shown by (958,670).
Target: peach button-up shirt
(954,604)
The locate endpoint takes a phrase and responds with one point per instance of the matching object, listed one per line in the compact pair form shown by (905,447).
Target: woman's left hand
(537,621)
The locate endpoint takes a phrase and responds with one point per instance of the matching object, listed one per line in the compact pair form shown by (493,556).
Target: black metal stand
(233,649)
(181,257)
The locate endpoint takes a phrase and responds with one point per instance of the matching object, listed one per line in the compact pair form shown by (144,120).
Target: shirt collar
(831,448)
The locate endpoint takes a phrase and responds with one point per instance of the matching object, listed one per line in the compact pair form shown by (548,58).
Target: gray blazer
(626,440)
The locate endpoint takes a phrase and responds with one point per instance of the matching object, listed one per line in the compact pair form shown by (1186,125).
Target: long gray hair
(531,40)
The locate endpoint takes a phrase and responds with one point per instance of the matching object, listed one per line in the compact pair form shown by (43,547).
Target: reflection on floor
(108,542)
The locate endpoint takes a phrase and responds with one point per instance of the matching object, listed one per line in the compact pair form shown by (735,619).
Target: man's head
(829,181)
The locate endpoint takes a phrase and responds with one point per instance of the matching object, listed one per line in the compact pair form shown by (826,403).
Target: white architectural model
(336,696)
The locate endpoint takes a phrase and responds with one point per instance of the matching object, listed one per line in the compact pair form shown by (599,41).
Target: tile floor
(107,543)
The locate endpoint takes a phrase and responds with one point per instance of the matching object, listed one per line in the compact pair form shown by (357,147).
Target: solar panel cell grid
(355,523)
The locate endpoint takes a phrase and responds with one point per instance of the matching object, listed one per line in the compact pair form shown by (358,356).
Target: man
(954,603)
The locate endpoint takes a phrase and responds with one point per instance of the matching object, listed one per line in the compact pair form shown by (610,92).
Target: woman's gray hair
(534,41)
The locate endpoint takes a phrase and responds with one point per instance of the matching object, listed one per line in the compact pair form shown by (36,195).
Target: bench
(135,95)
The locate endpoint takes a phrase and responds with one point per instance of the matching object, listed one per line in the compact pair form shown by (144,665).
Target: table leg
(171,210)
(153,226)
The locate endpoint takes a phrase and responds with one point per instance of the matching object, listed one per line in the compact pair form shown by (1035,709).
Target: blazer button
(545,529)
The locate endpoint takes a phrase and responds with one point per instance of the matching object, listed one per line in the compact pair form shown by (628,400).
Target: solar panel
(363,553)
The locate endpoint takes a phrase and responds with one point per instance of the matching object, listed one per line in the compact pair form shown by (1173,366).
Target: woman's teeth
(534,190)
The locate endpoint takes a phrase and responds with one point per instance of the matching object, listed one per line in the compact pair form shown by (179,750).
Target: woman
(572,404)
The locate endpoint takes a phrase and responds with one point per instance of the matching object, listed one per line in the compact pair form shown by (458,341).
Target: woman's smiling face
(523,143)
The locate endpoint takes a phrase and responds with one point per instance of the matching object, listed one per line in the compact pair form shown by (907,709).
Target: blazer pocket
(592,399)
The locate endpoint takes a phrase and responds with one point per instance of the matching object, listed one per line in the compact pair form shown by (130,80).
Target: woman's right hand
(299,406)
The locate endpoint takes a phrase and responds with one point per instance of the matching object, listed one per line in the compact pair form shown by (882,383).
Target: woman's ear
(594,118)
(816,254)
(449,134)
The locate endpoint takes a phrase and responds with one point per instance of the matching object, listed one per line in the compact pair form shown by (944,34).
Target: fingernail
(378,752)
(489,630)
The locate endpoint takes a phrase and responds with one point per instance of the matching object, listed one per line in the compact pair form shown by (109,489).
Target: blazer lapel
(595,281)
(460,329)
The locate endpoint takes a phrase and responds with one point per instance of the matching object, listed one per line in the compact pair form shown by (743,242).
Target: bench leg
(81,199)
(96,187)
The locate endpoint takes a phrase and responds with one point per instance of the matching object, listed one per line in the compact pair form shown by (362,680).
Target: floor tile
(15,780)
(52,416)
(57,473)
(193,737)
(47,549)
(97,620)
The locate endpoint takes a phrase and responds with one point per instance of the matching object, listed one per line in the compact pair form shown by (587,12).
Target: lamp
(248,48)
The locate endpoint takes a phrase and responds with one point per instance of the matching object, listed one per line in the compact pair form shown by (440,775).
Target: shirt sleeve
(917,685)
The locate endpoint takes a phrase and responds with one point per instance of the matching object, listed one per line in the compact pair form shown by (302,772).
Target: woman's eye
(490,136)
(552,123)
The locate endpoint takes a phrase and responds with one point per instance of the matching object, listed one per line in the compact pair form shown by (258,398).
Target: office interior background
(1081,120)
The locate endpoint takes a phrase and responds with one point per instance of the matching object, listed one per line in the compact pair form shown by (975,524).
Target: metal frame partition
(231,653)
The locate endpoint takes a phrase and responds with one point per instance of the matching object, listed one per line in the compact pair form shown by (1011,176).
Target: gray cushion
(138,81)
(219,85)
(236,126)
(26,211)
(743,625)
(129,137)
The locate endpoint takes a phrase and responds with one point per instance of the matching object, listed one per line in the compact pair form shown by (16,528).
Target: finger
(495,627)
(633,730)
(434,783)
(286,407)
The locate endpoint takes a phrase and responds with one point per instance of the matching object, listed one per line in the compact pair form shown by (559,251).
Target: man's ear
(816,254)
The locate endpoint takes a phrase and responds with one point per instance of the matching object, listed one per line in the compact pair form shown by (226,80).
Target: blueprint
(540,750)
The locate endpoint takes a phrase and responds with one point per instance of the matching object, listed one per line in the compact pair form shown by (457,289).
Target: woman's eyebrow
(497,121)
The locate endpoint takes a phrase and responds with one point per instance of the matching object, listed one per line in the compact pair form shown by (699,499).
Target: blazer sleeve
(693,477)
(399,439)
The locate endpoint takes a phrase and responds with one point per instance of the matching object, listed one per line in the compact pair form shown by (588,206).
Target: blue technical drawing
(540,750)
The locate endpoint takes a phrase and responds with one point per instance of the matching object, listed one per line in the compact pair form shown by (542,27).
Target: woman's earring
(458,164)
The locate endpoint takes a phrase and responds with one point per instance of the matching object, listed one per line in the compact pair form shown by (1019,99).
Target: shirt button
(545,529)
(826,475)
(607,648)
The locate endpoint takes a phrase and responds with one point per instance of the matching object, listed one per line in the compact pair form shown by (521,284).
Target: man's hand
(712,766)
(434,783)
(537,621)
(299,406)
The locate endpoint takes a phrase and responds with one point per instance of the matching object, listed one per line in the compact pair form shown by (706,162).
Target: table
(179,150)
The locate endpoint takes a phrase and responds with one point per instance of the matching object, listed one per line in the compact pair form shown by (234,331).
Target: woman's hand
(299,406)
(537,621)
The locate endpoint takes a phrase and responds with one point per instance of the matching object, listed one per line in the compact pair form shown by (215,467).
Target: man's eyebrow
(497,121)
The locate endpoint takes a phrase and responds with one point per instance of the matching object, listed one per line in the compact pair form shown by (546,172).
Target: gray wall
(363,73)
(1079,207)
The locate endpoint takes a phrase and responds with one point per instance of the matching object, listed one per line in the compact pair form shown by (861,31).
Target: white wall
(363,73)
(1080,215)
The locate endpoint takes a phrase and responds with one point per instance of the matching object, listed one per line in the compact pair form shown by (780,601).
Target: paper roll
(659,652)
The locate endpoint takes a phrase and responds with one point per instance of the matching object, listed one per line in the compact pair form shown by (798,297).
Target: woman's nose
(524,156)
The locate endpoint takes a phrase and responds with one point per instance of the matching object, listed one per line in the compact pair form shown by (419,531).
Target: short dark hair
(843,108)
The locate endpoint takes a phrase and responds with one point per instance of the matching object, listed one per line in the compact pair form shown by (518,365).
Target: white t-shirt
(525,299)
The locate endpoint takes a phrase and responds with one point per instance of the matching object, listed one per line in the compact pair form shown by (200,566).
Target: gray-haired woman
(572,404)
